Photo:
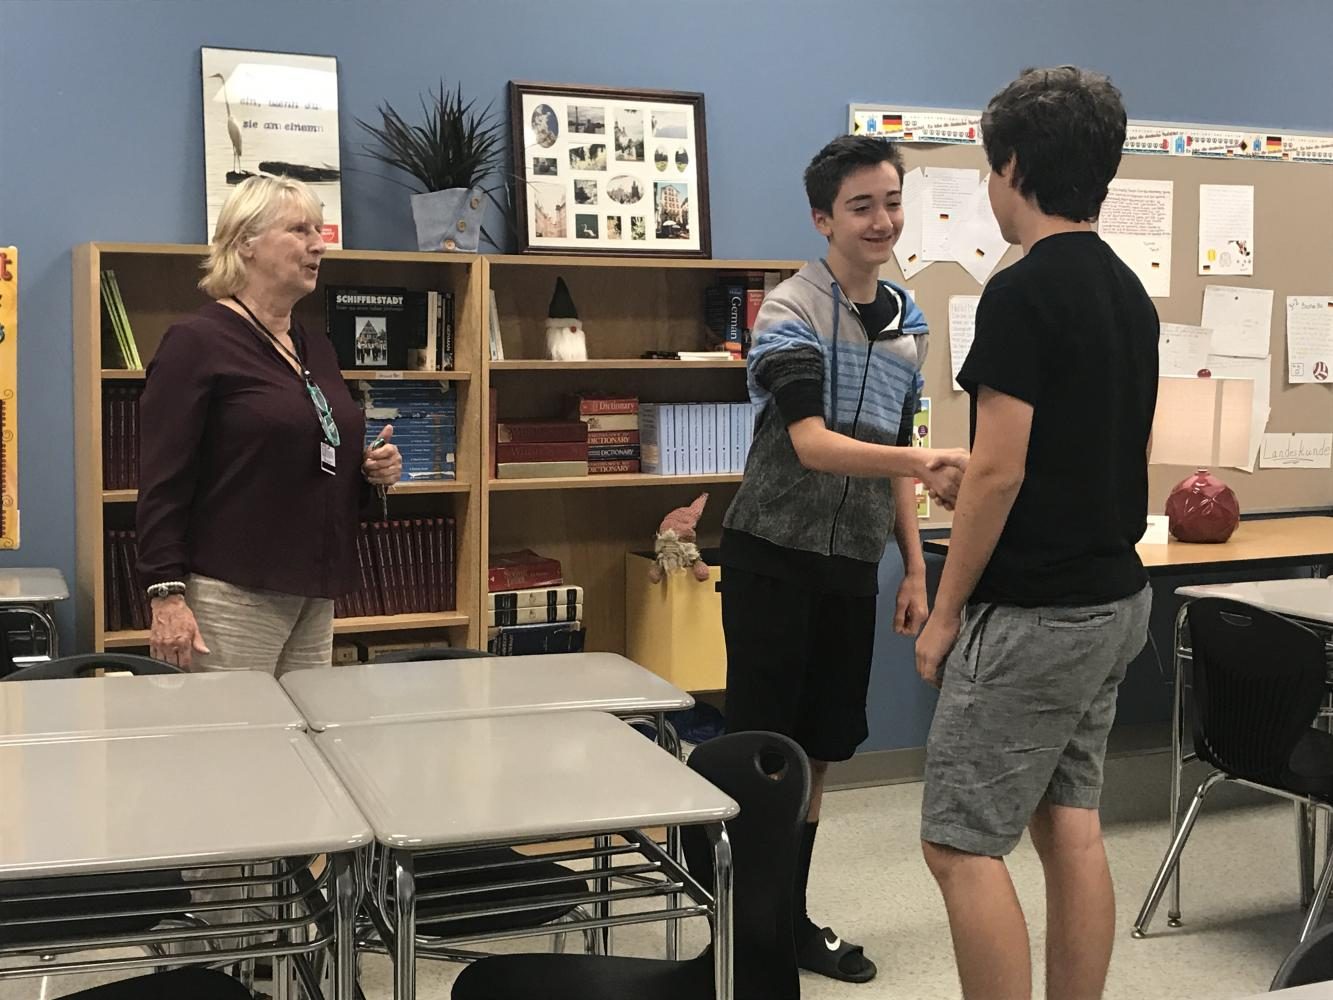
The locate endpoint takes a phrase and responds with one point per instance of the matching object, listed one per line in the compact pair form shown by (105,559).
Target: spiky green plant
(454,147)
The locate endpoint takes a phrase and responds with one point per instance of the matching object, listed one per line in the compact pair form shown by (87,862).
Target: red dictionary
(522,570)
(754,298)
(589,404)
(601,439)
(544,451)
(536,431)
(613,465)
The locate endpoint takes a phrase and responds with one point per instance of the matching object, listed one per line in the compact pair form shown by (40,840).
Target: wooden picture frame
(609,170)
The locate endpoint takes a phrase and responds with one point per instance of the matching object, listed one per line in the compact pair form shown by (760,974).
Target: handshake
(941,472)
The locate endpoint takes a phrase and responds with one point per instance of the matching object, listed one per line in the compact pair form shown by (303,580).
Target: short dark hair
(832,164)
(1064,129)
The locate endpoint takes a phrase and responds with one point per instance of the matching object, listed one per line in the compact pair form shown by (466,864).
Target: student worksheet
(1135,222)
(1241,320)
(1309,338)
(1226,229)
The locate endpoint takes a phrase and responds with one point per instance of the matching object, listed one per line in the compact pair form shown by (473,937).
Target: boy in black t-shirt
(1043,601)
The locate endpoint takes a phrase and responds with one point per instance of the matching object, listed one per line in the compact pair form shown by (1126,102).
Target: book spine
(613,466)
(451,563)
(612,421)
(448,360)
(565,637)
(613,453)
(722,432)
(546,597)
(550,451)
(420,593)
(682,431)
(524,576)
(591,405)
(754,298)
(650,437)
(598,439)
(537,614)
(111,581)
(668,438)
(539,431)
(541,470)
(708,437)
(383,567)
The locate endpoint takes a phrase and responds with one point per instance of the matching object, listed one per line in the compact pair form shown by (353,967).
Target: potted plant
(449,154)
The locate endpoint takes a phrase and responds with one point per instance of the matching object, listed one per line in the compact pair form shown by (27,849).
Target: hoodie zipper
(856,422)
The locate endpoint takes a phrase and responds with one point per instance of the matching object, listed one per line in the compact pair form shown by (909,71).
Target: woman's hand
(383,466)
(175,634)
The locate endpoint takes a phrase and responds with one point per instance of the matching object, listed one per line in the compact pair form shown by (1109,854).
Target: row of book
(391,328)
(120,436)
(425,424)
(118,343)
(695,439)
(530,608)
(126,605)
(408,566)
(600,436)
(731,307)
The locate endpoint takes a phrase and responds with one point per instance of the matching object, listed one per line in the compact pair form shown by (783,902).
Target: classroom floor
(870,883)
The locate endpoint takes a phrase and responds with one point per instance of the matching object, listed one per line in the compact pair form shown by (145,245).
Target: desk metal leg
(602,909)
(282,964)
(1305,850)
(723,983)
(405,926)
(668,740)
(1177,754)
(347,895)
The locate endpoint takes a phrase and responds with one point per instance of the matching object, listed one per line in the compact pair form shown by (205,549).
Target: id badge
(328,459)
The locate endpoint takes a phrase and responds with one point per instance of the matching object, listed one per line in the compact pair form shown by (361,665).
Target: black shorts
(798,662)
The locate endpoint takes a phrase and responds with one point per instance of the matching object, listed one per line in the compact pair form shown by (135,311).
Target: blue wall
(101,136)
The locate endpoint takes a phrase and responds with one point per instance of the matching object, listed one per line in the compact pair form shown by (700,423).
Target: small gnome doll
(675,546)
(564,330)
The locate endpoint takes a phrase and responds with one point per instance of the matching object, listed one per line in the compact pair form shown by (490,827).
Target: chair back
(769,777)
(438,653)
(1311,961)
(87,664)
(1257,681)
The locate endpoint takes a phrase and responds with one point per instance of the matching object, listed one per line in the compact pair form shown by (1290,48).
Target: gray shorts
(1027,702)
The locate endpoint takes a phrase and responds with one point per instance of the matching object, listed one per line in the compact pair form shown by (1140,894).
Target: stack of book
(613,431)
(696,439)
(120,436)
(408,566)
(529,608)
(119,349)
(540,449)
(127,606)
(425,424)
(732,306)
(390,328)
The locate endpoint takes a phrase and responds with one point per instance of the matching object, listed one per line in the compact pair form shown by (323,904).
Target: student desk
(34,593)
(1309,602)
(128,706)
(485,686)
(126,804)
(1315,991)
(513,780)
(1256,545)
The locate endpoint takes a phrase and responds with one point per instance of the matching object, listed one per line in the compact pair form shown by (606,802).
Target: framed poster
(271,113)
(9,401)
(610,171)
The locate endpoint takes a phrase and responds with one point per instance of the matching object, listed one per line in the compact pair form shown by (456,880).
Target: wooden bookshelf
(158,283)
(628,306)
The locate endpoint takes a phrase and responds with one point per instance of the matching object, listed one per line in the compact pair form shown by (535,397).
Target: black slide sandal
(828,955)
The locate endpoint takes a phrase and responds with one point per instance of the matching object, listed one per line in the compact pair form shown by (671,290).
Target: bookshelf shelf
(341,626)
(614,364)
(607,482)
(137,375)
(408,489)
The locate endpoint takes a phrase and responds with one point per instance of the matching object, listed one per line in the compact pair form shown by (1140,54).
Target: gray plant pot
(448,220)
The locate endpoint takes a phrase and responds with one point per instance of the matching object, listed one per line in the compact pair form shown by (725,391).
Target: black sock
(804,927)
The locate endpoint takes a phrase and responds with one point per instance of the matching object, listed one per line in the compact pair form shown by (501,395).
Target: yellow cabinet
(674,628)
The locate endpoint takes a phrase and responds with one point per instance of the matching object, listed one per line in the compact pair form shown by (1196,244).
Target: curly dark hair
(1064,129)
(832,164)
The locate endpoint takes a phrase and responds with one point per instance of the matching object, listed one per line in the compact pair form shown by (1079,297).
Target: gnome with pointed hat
(564,330)
(676,546)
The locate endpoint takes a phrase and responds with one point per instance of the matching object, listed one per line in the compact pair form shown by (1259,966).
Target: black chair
(1258,683)
(179,984)
(436,653)
(769,777)
(87,664)
(90,914)
(1311,961)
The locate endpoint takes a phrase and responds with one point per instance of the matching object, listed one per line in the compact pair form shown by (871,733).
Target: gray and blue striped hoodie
(808,326)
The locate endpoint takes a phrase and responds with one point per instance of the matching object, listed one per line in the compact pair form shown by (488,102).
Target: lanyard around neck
(259,325)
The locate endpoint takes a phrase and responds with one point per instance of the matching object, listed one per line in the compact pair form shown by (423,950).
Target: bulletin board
(9,409)
(1293,255)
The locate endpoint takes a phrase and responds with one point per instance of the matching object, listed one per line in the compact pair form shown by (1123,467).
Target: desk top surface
(172,800)
(104,706)
(1272,539)
(1314,991)
(32,586)
(515,778)
(1308,599)
(469,688)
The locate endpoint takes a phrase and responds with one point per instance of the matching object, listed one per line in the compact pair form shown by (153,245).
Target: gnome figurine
(675,546)
(564,330)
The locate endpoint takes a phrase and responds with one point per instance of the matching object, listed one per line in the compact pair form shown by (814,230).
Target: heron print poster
(271,113)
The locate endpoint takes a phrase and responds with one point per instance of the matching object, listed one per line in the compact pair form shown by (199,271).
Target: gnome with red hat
(676,547)
(564,329)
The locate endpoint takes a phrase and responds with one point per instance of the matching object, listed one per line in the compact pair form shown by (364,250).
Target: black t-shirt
(1070,330)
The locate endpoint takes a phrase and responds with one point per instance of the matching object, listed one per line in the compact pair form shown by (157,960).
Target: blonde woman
(253,465)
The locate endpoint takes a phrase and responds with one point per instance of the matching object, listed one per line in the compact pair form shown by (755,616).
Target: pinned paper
(908,248)
(977,242)
(1310,338)
(1183,350)
(1296,451)
(947,198)
(1241,320)
(1226,229)
(1260,372)
(962,330)
(1135,222)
